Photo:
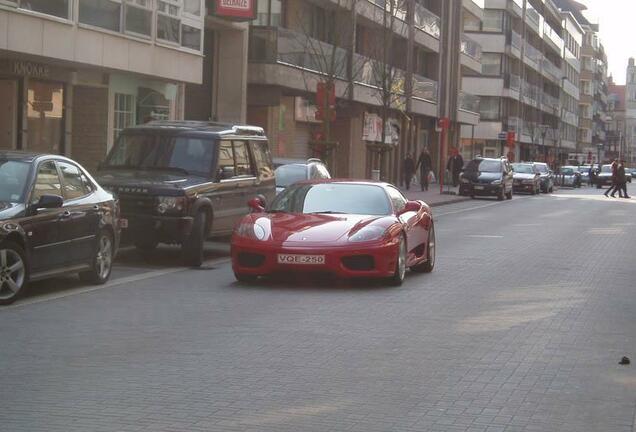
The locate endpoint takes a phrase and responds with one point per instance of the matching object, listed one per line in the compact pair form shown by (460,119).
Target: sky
(617,20)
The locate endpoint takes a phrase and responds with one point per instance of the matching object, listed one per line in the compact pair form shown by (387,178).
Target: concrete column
(230,81)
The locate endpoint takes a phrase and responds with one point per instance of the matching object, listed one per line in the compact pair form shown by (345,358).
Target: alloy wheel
(431,247)
(402,260)
(104,259)
(12,273)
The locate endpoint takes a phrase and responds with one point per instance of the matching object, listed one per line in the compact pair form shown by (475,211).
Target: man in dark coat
(614,186)
(408,170)
(455,165)
(424,163)
(621,181)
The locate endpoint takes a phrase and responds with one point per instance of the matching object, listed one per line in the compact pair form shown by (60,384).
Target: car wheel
(400,265)
(102,263)
(428,265)
(13,272)
(193,247)
(245,278)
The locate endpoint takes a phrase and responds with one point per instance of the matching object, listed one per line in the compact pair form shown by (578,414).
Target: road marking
(526,225)
(111,284)
(478,207)
(484,236)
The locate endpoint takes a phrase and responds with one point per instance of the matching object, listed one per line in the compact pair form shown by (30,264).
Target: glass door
(45,117)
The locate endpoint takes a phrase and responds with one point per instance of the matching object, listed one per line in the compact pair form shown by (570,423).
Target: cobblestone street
(520,328)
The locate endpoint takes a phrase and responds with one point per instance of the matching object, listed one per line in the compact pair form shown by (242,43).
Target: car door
(48,252)
(226,198)
(245,177)
(265,179)
(80,219)
(415,231)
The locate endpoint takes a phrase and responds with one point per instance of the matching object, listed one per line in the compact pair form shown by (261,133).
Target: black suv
(487,177)
(181,182)
(54,219)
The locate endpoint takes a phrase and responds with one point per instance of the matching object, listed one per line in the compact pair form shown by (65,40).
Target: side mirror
(257,204)
(411,206)
(49,202)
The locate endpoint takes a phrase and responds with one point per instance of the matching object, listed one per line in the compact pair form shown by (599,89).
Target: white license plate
(301,259)
(479,187)
(123,223)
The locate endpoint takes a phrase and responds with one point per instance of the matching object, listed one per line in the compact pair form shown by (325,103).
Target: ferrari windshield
(333,198)
(162,152)
(13,178)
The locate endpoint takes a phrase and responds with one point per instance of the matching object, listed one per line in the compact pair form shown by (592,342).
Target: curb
(451,201)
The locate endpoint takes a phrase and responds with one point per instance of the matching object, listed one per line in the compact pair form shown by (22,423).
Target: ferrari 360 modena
(349,229)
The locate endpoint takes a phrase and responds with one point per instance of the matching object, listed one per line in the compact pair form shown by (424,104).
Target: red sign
(443,123)
(510,139)
(325,98)
(236,10)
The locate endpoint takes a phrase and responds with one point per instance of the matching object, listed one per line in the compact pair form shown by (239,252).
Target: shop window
(58,8)
(138,17)
(168,21)
(45,116)
(152,105)
(124,113)
(191,37)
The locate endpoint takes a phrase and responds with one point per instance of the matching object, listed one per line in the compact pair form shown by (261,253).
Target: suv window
(73,186)
(226,161)
(242,159)
(262,158)
(47,182)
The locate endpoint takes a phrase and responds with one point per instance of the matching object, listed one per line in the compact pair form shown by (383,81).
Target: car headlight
(170,204)
(496,182)
(251,231)
(368,233)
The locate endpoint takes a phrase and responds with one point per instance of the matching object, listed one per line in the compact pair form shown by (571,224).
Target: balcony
(470,48)
(424,88)
(533,18)
(551,70)
(427,21)
(514,82)
(550,102)
(468,102)
(515,40)
(552,38)
(533,53)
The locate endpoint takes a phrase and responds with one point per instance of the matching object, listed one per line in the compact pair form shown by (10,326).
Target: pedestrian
(591,173)
(408,170)
(613,186)
(621,180)
(424,164)
(454,166)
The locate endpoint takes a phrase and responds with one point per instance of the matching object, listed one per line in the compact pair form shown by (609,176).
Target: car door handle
(65,215)
(96,207)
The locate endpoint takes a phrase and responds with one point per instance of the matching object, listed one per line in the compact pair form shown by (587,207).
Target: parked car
(547,177)
(181,182)
(487,177)
(345,228)
(526,178)
(585,173)
(569,176)
(604,177)
(292,172)
(54,219)
(629,174)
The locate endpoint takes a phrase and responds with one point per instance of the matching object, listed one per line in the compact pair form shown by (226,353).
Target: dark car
(526,178)
(181,182)
(288,172)
(487,177)
(54,219)
(604,176)
(569,176)
(547,177)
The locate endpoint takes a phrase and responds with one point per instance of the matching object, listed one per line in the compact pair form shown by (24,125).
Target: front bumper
(164,229)
(264,259)
(480,189)
(523,187)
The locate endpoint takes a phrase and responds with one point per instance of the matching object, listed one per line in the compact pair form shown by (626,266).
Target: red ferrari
(346,228)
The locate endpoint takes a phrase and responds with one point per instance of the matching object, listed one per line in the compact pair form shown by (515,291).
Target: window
(168,20)
(45,116)
(493,20)
(242,159)
(489,108)
(73,186)
(491,64)
(262,158)
(47,182)
(471,23)
(397,199)
(190,37)
(101,13)
(138,17)
(191,154)
(192,7)
(225,166)
(58,8)
(124,113)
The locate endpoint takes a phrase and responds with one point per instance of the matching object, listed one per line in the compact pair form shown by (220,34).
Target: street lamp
(544,130)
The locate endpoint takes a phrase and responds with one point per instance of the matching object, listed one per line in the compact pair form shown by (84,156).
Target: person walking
(408,170)
(424,164)
(455,165)
(621,180)
(612,189)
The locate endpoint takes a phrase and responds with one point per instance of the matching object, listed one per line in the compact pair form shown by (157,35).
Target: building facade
(401,62)
(630,113)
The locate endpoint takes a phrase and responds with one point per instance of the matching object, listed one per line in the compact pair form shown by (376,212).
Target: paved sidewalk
(432,197)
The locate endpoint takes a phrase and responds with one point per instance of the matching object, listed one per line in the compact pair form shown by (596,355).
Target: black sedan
(54,219)
(487,177)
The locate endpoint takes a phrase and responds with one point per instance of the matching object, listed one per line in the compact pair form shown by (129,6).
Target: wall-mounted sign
(236,10)
(25,68)
(305,110)
(372,129)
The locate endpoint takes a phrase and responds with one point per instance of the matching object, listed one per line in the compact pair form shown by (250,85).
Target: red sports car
(346,228)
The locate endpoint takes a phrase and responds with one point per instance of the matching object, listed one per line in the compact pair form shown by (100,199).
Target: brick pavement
(520,328)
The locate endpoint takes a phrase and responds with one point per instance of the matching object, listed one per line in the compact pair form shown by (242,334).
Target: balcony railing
(397,7)
(514,82)
(550,101)
(427,21)
(551,69)
(424,88)
(515,39)
(532,53)
(468,102)
(533,16)
(552,36)
(470,48)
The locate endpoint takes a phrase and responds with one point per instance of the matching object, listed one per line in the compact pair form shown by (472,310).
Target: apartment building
(74,73)
(521,87)
(402,61)
(616,125)
(630,113)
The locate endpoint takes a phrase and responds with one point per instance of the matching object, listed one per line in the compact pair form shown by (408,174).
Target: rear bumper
(263,259)
(165,229)
(480,189)
(527,188)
